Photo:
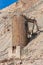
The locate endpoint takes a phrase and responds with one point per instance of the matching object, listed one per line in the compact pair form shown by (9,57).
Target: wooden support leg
(33,27)
(37,26)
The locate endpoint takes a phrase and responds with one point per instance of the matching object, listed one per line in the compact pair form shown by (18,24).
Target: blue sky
(5,3)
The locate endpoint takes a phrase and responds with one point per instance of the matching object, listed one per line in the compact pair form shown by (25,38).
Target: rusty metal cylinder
(19,33)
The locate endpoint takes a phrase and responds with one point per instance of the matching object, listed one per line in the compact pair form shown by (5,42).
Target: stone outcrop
(19,32)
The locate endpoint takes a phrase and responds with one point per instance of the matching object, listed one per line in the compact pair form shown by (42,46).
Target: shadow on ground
(33,36)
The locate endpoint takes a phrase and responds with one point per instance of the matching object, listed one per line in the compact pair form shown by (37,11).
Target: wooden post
(18,52)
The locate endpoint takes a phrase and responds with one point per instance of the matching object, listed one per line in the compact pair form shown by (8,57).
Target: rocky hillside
(33,52)
(6,16)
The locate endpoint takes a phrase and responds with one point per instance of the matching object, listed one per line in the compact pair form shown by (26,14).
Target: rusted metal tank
(19,32)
